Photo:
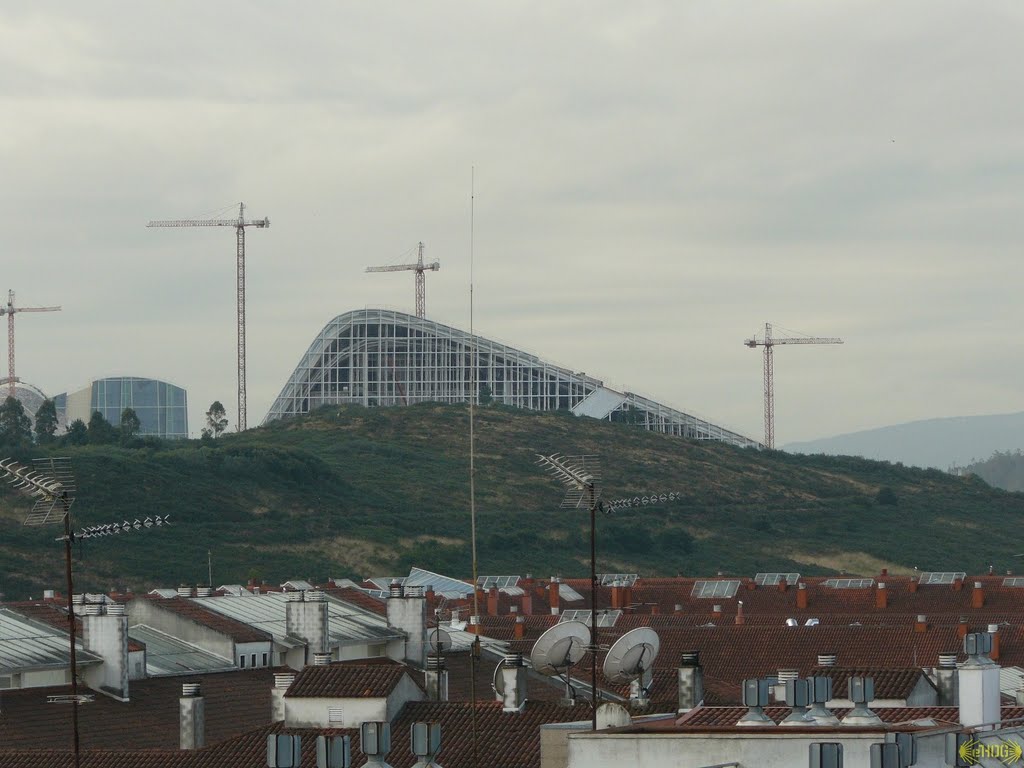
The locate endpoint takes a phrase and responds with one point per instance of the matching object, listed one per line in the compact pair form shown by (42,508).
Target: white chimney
(513,677)
(282,681)
(979,683)
(946,680)
(191,710)
(407,611)
(306,617)
(691,681)
(106,635)
(436,678)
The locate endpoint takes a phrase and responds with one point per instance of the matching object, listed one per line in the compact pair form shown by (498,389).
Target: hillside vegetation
(1003,469)
(366,492)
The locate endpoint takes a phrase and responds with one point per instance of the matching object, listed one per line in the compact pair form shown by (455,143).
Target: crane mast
(421,283)
(239,224)
(769,342)
(10,310)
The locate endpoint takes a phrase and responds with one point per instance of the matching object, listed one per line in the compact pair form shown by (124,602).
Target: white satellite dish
(560,647)
(440,641)
(631,656)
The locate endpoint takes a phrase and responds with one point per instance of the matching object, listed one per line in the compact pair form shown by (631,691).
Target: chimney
(203,591)
(281,683)
(526,601)
(946,679)
(518,629)
(921,625)
(755,698)
(513,683)
(783,585)
(492,601)
(553,596)
(191,711)
(425,741)
(716,612)
(436,678)
(431,597)
(978,596)
(375,741)
(306,618)
(993,630)
(961,627)
(691,681)
(616,595)
(801,595)
(881,596)
(958,584)
(979,683)
(105,633)
(913,585)
(184,591)
(408,612)
(740,619)
(861,691)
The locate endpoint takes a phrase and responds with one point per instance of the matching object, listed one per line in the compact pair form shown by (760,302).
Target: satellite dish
(498,683)
(560,647)
(631,655)
(440,641)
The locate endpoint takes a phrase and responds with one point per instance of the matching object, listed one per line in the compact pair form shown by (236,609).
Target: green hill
(353,491)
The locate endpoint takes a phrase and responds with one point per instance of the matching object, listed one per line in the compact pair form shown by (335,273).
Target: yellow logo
(1007,752)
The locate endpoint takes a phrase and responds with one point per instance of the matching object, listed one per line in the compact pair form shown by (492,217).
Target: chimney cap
(689,659)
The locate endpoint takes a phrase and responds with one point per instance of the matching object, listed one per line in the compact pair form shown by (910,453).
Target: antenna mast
(475,652)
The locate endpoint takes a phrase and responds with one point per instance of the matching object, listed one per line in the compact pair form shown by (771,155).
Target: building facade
(377,357)
(162,408)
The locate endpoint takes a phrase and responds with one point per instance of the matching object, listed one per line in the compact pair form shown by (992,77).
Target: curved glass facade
(376,357)
(162,408)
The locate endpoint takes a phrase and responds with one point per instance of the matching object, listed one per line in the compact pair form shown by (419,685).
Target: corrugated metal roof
(445,586)
(27,644)
(167,655)
(349,625)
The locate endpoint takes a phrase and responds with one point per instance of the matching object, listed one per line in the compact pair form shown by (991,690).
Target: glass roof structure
(377,357)
(167,655)
(26,645)
(725,588)
(849,583)
(941,577)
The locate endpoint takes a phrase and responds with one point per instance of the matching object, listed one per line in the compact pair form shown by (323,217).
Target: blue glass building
(162,407)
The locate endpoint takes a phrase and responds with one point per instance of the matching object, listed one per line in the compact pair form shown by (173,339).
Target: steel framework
(10,310)
(377,357)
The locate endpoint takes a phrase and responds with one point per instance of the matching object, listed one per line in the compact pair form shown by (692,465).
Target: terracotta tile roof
(359,598)
(365,678)
(236,630)
(717,717)
(235,702)
(889,683)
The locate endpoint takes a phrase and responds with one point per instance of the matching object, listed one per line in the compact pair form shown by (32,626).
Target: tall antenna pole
(475,654)
(769,389)
(240,278)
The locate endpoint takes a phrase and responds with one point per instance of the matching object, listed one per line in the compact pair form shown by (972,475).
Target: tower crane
(421,283)
(768,342)
(10,310)
(239,224)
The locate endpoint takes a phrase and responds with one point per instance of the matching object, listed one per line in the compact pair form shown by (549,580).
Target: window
(253,658)
(241,660)
(264,658)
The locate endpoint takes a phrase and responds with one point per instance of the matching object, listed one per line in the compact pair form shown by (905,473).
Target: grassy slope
(369,492)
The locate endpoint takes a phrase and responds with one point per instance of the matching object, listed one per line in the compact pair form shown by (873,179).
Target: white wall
(248,649)
(313,713)
(149,612)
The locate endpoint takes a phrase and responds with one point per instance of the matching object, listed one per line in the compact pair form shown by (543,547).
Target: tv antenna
(580,475)
(52,484)
(631,657)
(556,652)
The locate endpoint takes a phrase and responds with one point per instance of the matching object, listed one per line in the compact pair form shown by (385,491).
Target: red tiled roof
(717,717)
(359,598)
(236,630)
(365,678)
(889,683)
(235,702)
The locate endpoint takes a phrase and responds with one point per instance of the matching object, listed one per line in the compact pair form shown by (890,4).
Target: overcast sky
(654,182)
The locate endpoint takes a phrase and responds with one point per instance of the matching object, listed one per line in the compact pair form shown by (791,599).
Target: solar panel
(605,618)
(568,594)
(849,583)
(726,588)
(941,577)
(625,579)
(501,582)
(1013,581)
(773,579)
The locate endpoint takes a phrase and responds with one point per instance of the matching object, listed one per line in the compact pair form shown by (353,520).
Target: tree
(15,425)
(485,398)
(130,424)
(77,434)
(101,431)
(46,423)
(216,420)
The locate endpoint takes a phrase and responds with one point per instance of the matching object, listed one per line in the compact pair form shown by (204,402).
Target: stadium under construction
(378,357)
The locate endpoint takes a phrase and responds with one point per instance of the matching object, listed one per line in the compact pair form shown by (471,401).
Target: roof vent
(92,609)
(785,675)
(283,680)
(993,628)
(294,597)
(321,659)
(513,659)
(821,693)
(425,741)
(861,691)
(204,591)
(395,590)
(315,596)
(798,696)
(115,609)
(375,737)
(190,690)
(755,697)
(947,660)
(78,599)
(716,609)
(689,659)
(977,646)
(184,591)
(826,659)
(414,592)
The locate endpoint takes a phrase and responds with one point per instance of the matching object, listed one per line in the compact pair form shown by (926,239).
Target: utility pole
(239,224)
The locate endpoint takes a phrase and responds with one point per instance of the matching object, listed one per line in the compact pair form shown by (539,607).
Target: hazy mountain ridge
(940,443)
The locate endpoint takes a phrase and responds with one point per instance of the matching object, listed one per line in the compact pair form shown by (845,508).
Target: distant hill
(939,443)
(1001,470)
(353,491)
